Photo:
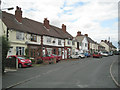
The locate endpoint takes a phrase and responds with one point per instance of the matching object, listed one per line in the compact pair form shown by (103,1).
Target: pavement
(79,73)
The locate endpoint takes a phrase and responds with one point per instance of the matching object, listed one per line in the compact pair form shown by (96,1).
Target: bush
(33,61)
(39,61)
(5,49)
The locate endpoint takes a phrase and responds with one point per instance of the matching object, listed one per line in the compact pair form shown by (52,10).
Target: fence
(11,63)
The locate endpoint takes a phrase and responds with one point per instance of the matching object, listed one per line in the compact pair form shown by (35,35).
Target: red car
(97,55)
(22,61)
(58,58)
(46,57)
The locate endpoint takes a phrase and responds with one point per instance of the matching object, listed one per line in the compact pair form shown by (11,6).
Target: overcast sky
(97,18)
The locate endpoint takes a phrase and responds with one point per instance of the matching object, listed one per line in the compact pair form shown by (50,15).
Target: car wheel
(19,65)
(79,57)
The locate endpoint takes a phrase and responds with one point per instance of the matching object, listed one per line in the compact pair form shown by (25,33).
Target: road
(79,73)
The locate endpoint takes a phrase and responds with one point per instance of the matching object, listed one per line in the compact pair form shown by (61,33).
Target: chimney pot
(64,28)
(78,33)
(46,23)
(105,40)
(86,35)
(18,14)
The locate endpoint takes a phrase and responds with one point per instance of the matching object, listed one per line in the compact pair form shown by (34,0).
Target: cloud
(87,16)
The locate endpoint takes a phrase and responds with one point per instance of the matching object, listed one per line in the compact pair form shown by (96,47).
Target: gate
(11,63)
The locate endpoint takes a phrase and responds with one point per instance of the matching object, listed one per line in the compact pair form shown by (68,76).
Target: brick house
(38,38)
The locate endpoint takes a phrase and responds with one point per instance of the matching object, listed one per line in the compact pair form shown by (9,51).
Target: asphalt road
(80,73)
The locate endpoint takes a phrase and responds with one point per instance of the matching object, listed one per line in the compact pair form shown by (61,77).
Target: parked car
(80,55)
(87,54)
(58,58)
(22,61)
(110,53)
(97,55)
(117,52)
(45,57)
(104,54)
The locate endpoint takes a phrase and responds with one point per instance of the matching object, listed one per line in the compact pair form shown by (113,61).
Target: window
(85,44)
(33,37)
(80,43)
(49,40)
(19,50)
(73,42)
(19,35)
(54,51)
(59,51)
(68,42)
(59,42)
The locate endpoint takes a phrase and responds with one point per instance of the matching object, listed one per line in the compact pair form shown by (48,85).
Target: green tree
(5,48)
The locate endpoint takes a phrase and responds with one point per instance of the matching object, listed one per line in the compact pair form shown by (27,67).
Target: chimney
(46,23)
(101,40)
(105,40)
(86,35)
(18,14)
(78,33)
(64,28)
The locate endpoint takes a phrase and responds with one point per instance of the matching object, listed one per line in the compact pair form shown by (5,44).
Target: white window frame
(20,50)
(20,35)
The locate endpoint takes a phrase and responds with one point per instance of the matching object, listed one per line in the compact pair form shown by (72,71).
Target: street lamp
(8,8)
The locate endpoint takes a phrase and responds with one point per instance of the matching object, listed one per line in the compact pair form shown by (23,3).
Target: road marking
(82,86)
(112,74)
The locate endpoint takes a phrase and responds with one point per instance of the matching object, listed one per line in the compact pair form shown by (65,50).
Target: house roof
(79,38)
(90,40)
(32,26)
(110,44)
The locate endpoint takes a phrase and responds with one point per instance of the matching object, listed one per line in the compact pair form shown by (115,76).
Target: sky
(97,18)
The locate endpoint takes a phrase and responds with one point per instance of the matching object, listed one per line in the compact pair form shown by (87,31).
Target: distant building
(108,45)
(82,42)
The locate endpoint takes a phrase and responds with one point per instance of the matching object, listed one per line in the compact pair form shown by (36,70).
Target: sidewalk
(115,71)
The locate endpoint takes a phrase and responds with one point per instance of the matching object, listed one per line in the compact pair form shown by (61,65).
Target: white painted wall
(83,47)
(66,43)
(3,28)
(105,45)
(52,39)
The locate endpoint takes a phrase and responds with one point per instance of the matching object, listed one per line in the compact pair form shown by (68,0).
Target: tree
(5,48)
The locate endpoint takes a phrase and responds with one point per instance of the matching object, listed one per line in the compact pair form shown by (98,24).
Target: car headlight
(22,61)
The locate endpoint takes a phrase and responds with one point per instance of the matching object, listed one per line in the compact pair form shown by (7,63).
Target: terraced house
(36,38)
(109,47)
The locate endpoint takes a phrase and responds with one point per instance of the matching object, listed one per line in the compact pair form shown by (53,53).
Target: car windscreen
(21,57)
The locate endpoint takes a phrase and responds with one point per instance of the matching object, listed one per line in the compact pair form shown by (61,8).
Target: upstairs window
(68,42)
(59,42)
(33,37)
(19,35)
(48,40)
(73,42)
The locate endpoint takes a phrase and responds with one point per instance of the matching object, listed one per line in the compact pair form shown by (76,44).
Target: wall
(66,43)
(83,44)
(51,43)
(105,45)
(3,28)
